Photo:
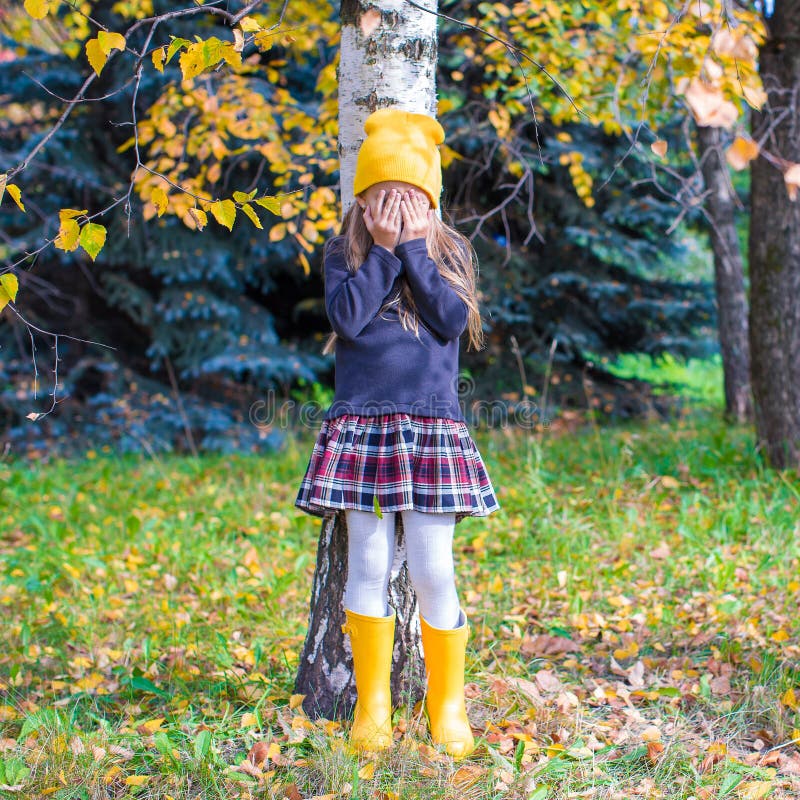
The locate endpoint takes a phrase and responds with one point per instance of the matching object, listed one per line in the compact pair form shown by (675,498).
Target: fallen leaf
(547,680)
(753,790)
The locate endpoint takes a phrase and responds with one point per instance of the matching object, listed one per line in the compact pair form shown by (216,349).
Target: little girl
(400,288)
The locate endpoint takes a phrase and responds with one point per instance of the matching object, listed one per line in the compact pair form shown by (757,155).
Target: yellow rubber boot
(444,666)
(372,641)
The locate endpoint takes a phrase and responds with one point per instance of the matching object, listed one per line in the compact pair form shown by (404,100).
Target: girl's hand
(383,220)
(417,216)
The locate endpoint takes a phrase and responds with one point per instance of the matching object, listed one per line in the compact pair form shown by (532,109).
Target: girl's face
(370,196)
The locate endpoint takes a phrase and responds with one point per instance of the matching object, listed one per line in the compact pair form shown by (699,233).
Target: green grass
(153,610)
(698,380)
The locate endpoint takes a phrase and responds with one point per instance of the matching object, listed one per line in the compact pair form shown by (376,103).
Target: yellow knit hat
(401,146)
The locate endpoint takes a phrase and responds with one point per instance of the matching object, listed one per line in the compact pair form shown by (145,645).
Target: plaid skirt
(402,460)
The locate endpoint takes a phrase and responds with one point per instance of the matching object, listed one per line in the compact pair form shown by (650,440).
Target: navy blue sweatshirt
(382,368)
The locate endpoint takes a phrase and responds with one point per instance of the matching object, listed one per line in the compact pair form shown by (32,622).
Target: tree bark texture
(387,60)
(325,674)
(394,66)
(775,245)
(728,276)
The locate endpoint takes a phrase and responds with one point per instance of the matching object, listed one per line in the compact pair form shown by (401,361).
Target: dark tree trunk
(325,674)
(775,246)
(728,276)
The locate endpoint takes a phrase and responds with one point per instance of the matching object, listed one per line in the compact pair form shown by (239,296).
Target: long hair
(450,250)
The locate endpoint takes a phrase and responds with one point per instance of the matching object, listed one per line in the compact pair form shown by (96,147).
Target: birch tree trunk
(775,246)
(388,59)
(728,277)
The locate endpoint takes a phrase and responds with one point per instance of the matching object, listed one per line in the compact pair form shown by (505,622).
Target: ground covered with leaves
(634,611)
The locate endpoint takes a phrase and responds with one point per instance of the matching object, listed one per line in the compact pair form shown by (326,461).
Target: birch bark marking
(392,66)
(387,60)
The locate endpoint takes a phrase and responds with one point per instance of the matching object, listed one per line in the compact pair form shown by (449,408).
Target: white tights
(429,553)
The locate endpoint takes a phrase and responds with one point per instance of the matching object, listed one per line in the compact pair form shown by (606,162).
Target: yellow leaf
(92,238)
(97,57)
(741,152)
(238,40)
(150,726)
(753,790)
(249,24)
(159,200)
(248,720)
(8,290)
(15,193)
(296,700)
(37,8)
(796,736)
(781,635)
(273,751)
(71,213)
(497,584)
(224,212)
(792,179)
(754,95)
(789,698)
(109,40)
(367,772)
(272,204)
(199,216)
(112,773)
(659,147)
(137,780)
(248,209)
(68,235)
(668,482)
(158,58)
(243,197)
(277,232)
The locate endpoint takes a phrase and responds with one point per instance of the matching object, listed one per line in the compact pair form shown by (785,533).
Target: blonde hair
(450,250)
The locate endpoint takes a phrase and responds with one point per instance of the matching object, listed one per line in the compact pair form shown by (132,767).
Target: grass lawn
(634,610)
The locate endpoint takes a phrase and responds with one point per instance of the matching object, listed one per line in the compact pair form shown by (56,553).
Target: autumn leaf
(249,24)
(243,197)
(8,293)
(792,180)
(753,790)
(659,147)
(199,216)
(224,212)
(150,726)
(272,204)
(159,200)
(38,9)
(159,54)
(709,106)
(13,190)
(248,210)
(98,50)
(68,235)
(92,238)
(741,152)
(367,772)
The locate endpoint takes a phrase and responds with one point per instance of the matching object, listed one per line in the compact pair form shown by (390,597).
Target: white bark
(394,66)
